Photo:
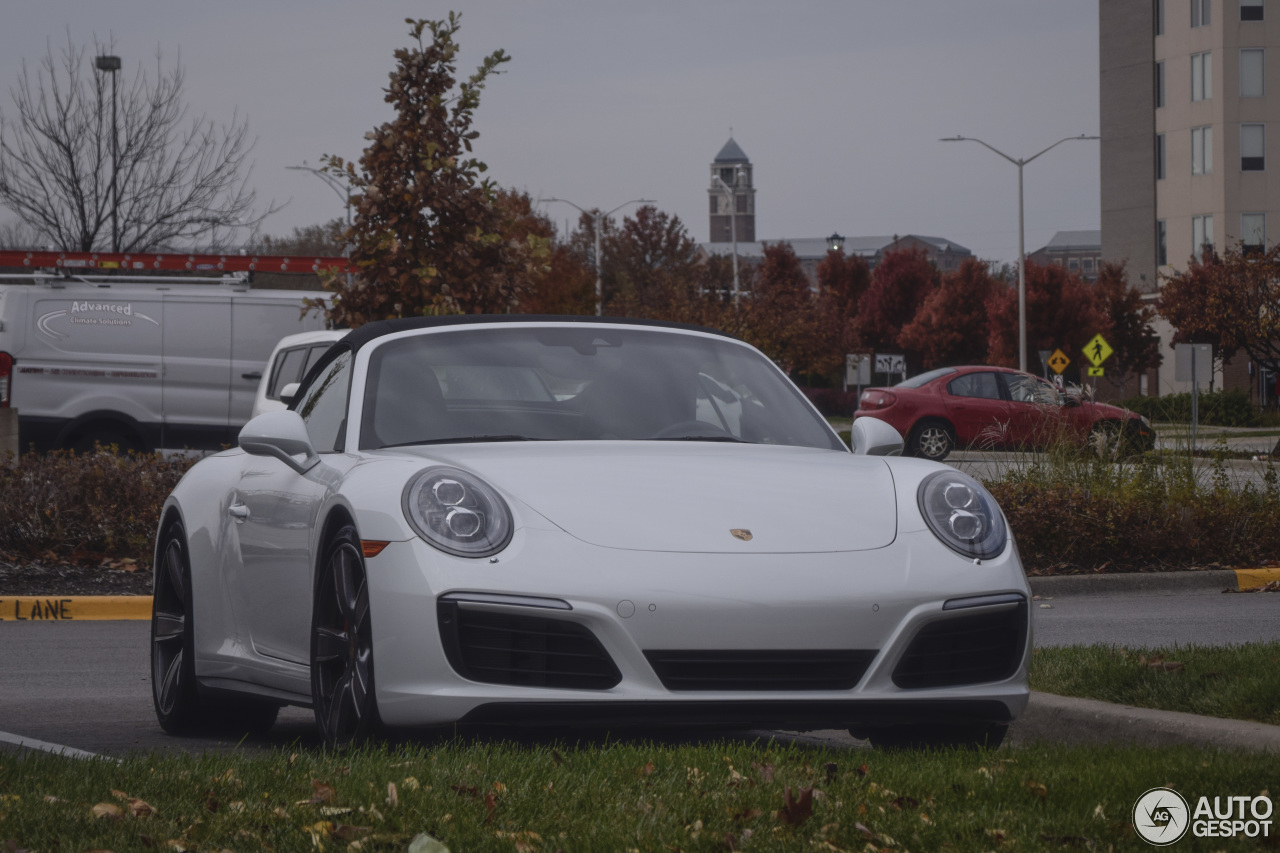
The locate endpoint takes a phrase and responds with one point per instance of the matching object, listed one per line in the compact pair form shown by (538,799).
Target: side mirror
(282,435)
(874,437)
(288,392)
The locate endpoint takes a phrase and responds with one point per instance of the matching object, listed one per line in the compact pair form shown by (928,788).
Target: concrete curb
(1208,580)
(1068,720)
(74,608)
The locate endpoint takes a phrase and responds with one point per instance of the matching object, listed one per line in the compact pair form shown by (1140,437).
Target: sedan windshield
(580,383)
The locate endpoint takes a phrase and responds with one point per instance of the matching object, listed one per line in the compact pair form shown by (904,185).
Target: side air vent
(970,649)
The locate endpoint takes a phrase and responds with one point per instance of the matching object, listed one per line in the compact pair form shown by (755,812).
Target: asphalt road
(86,685)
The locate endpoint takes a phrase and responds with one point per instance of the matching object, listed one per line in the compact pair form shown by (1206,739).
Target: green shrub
(1217,408)
(86,508)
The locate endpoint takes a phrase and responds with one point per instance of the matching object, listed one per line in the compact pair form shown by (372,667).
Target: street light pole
(1022,252)
(598,219)
(112,64)
(731,197)
(338,187)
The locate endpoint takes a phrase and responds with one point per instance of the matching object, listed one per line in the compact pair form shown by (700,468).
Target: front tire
(342,691)
(932,440)
(173,676)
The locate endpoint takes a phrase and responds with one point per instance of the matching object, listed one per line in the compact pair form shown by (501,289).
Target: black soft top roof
(380,328)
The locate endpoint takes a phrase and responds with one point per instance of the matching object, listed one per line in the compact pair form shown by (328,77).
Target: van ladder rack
(174,262)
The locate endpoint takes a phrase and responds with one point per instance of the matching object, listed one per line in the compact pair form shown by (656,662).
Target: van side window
(324,405)
(288,369)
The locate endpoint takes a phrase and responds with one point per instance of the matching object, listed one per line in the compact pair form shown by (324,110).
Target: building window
(1200,11)
(713,205)
(1088,264)
(1158,14)
(742,203)
(1202,150)
(726,175)
(1160,84)
(1253,231)
(1201,76)
(1162,243)
(1251,73)
(1251,10)
(1253,147)
(1160,160)
(1201,235)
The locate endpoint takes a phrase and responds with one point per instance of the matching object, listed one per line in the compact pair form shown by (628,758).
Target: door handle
(239,512)
(257,374)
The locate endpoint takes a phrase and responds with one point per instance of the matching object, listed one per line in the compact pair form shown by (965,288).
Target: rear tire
(931,440)
(971,736)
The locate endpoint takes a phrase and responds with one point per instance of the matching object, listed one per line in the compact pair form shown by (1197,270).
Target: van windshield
(581,383)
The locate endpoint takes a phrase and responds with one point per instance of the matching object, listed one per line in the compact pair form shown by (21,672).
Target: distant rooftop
(816,247)
(731,153)
(1066,241)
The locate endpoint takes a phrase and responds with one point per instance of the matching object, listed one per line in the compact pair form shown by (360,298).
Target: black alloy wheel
(173,678)
(342,645)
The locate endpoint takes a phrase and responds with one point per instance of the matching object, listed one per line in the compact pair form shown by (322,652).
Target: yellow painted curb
(1254,578)
(74,608)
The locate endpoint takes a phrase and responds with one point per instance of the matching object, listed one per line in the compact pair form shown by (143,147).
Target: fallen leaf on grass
(765,771)
(796,811)
(11,846)
(393,798)
(346,832)
(905,803)
(322,793)
(1037,789)
(423,843)
(490,806)
(747,814)
(107,810)
(465,790)
(647,770)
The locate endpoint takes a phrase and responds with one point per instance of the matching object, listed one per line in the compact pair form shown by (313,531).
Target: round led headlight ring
(457,512)
(962,514)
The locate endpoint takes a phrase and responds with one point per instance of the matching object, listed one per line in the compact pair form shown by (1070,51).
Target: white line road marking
(56,749)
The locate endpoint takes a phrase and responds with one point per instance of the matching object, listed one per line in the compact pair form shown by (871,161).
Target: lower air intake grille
(760,670)
(525,651)
(970,649)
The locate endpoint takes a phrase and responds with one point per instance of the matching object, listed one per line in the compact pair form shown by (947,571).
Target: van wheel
(125,440)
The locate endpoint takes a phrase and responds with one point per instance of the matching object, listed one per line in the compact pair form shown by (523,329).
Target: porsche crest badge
(741,533)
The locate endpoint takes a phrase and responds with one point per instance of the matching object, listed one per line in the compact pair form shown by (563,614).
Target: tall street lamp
(112,64)
(598,219)
(1022,253)
(731,196)
(344,192)
(836,241)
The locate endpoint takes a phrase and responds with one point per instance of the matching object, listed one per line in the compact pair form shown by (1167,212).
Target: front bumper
(636,603)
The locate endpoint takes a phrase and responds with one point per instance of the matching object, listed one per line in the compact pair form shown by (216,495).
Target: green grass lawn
(1238,682)
(615,796)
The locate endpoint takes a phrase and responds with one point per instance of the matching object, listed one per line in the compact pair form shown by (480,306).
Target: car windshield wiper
(704,438)
(465,439)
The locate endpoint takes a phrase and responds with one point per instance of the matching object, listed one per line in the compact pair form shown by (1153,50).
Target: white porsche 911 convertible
(580,521)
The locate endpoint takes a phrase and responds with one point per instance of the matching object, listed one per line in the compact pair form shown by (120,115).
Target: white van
(144,363)
(289,362)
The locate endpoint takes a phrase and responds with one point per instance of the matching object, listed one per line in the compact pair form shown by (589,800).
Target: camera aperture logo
(1160,816)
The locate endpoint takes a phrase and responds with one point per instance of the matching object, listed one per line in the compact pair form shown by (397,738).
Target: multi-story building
(732,196)
(1188,91)
(1078,251)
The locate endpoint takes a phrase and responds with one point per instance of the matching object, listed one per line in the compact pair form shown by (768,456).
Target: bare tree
(179,180)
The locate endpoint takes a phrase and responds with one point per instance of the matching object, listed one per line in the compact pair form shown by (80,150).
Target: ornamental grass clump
(87,508)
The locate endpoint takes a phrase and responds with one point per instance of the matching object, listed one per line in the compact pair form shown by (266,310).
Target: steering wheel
(695,429)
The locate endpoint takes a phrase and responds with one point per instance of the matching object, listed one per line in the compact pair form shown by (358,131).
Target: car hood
(1110,412)
(689,496)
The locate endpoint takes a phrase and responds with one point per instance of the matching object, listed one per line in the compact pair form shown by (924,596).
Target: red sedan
(995,407)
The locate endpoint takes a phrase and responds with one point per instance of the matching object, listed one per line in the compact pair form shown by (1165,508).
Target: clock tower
(732,196)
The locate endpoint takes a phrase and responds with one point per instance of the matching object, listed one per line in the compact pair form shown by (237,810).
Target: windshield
(924,378)
(580,383)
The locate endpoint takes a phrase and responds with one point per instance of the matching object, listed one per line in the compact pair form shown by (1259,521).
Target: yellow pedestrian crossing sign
(1058,361)
(1095,371)
(1097,351)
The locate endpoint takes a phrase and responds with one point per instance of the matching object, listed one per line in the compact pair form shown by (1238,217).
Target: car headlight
(457,512)
(962,514)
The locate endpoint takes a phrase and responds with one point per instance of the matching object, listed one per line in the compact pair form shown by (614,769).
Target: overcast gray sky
(838,103)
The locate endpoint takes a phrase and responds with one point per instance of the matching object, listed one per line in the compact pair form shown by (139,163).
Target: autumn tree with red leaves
(427,236)
(842,280)
(1126,324)
(781,320)
(1061,314)
(649,263)
(1232,302)
(951,326)
(900,283)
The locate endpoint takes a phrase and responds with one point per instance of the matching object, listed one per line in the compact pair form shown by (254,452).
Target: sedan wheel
(342,645)
(173,679)
(933,441)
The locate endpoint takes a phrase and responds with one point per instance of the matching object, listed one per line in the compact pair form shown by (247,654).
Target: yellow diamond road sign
(1058,361)
(1097,350)
(1095,371)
